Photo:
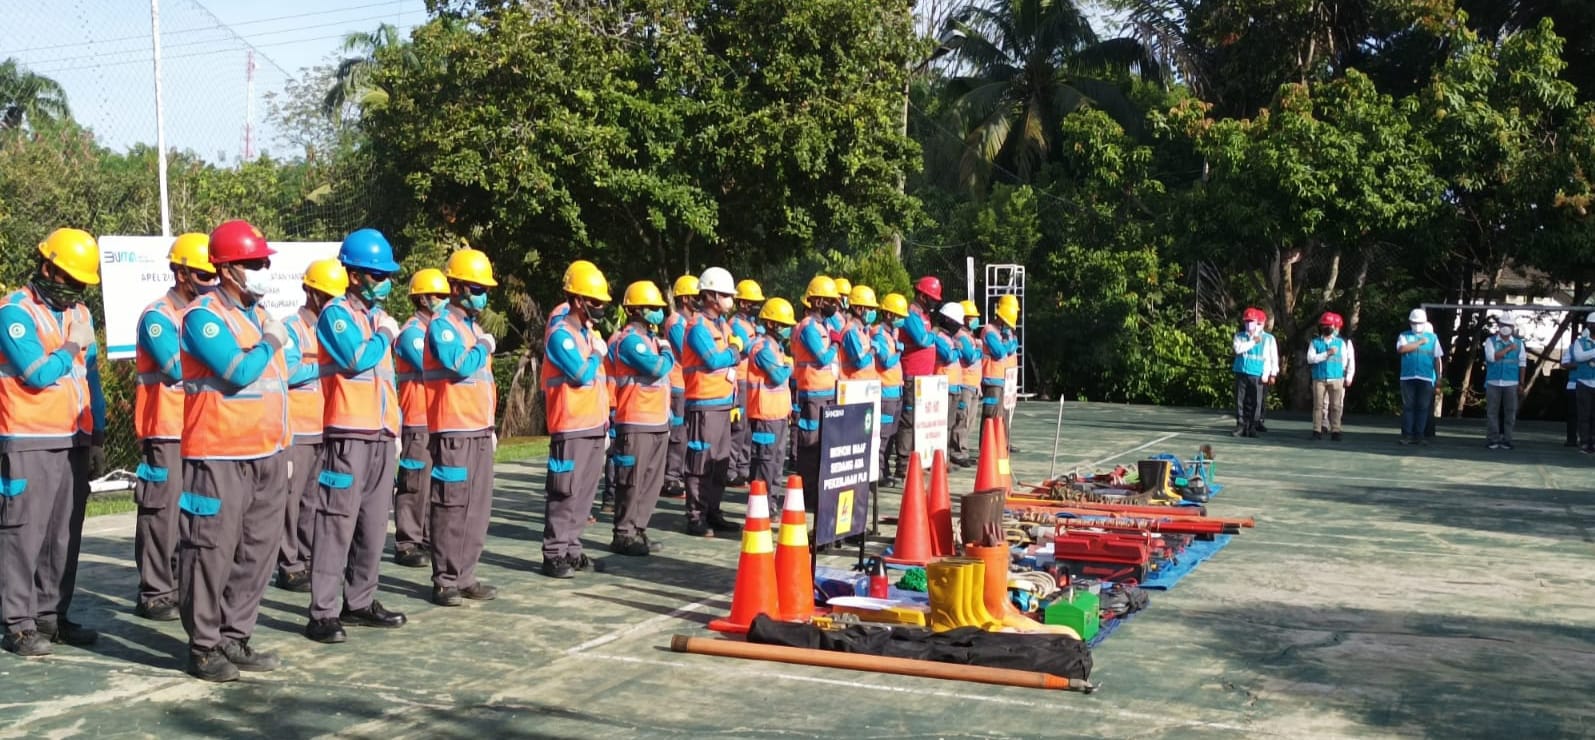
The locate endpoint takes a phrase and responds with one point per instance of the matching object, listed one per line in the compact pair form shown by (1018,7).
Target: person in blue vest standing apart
(1504,360)
(1420,369)
(1250,366)
(1333,363)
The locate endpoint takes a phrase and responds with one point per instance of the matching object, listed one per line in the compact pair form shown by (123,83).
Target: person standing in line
(814,351)
(686,297)
(889,365)
(1583,353)
(710,359)
(918,340)
(52,428)
(639,376)
(158,421)
(1250,368)
(1421,355)
(1333,363)
(969,387)
(949,362)
(997,350)
(769,392)
(1505,356)
(576,394)
(236,430)
(858,351)
(744,323)
(429,292)
(324,280)
(462,406)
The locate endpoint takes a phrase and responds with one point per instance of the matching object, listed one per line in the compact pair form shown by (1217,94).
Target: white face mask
(1252,327)
(1506,331)
(255,282)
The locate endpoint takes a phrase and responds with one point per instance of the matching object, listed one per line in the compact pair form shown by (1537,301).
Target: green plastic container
(1083,614)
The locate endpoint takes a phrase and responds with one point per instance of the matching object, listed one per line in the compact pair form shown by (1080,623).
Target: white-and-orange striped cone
(794,581)
(756,585)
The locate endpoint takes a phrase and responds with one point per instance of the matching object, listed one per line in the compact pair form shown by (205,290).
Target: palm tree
(1031,63)
(352,80)
(26,97)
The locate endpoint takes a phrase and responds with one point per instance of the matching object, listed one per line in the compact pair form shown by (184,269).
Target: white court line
(1118,455)
(1330,476)
(1091,708)
(644,624)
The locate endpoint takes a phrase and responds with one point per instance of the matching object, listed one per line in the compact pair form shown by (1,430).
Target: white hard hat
(717,280)
(953,311)
(1589,318)
(1417,316)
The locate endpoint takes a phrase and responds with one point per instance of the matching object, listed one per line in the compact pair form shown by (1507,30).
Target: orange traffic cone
(756,590)
(986,476)
(1004,465)
(794,581)
(913,545)
(940,507)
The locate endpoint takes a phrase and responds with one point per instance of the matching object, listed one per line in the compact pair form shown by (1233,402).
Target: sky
(100,52)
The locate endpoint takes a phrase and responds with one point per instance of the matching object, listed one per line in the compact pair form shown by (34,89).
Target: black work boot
(246,658)
(637,546)
(66,632)
(557,567)
(445,596)
(298,583)
(211,665)
(479,591)
(371,616)
(411,556)
(327,631)
(157,610)
(27,643)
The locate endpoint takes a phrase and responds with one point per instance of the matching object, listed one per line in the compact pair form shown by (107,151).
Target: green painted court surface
(1387,591)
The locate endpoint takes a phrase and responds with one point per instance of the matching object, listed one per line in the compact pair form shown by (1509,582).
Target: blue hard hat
(367,249)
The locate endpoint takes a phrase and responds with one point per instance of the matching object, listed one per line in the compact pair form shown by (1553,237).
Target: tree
(26,97)
(353,88)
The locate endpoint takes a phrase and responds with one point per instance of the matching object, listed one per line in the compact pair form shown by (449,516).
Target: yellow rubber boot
(942,582)
(974,594)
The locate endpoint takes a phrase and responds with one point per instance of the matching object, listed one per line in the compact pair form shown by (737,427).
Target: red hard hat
(1254,314)
(929,285)
(1330,318)
(237,241)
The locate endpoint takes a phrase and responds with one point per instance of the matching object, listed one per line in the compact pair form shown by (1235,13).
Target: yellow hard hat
(74,251)
(778,310)
(429,281)
(192,251)
(970,309)
(470,266)
(1008,310)
(749,290)
(821,287)
(862,295)
(686,285)
(578,265)
(587,282)
(844,286)
(895,304)
(327,276)
(643,293)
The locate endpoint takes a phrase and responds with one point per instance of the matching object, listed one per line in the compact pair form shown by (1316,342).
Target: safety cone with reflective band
(913,545)
(1004,464)
(940,507)
(756,588)
(986,476)
(794,581)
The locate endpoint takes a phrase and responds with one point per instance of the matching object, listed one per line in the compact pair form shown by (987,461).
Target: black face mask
(596,313)
(1326,331)
(828,310)
(58,296)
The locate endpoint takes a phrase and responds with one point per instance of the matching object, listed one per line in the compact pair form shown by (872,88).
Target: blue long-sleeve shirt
(293,354)
(443,340)
(342,342)
(883,343)
(561,351)
(642,359)
(411,345)
(967,351)
(946,352)
(207,338)
(702,342)
(745,330)
(772,365)
(857,350)
(159,338)
(919,335)
(813,340)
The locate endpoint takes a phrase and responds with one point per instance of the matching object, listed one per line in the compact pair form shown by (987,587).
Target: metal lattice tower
(1004,280)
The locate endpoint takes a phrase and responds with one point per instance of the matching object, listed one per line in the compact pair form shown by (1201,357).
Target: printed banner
(865,392)
(930,416)
(843,510)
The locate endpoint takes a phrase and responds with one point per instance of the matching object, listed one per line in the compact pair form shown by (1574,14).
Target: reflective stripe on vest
(636,401)
(571,407)
(812,375)
(306,403)
(992,370)
(458,404)
(767,401)
(704,384)
(366,401)
(411,380)
(221,421)
(868,372)
(157,405)
(61,410)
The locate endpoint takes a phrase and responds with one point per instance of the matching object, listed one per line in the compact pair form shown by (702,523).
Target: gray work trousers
(741,447)
(891,413)
(639,475)
(903,443)
(352,501)
(160,480)
(807,441)
(228,547)
(961,408)
(414,490)
(708,458)
(43,494)
(575,464)
(299,510)
(462,505)
(676,458)
(769,437)
(1501,412)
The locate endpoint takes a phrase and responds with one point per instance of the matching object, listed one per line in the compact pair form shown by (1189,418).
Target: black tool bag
(1059,655)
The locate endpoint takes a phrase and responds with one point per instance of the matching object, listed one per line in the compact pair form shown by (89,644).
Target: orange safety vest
(678,375)
(222,421)
(812,375)
(306,403)
(891,377)
(412,384)
(458,404)
(704,384)
(868,372)
(767,400)
(576,408)
(971,374)
(554,317)
(742,359)
(157,406)
(61,410)
(992,371)
(367,401)
(953,370)
(639,404)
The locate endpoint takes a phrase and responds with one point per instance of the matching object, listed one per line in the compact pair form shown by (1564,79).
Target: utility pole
(249,107)
(160,120)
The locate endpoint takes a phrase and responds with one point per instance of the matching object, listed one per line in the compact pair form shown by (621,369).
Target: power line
(201,42)
(207,52)
(175,31)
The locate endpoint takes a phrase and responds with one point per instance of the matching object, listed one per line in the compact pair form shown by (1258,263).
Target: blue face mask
(379,292)
(974,324)
(476,302)
(759,329)
(869,316)
(655,316)
(786,332)
(898,323)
